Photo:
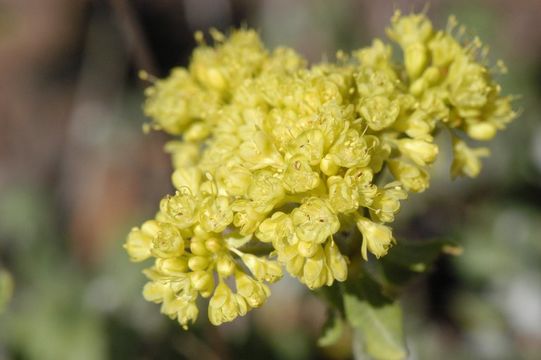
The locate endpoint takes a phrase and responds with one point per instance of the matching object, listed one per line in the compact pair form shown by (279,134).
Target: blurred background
(76,173)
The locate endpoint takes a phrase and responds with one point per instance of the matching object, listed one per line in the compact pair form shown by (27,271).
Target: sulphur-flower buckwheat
(280,164)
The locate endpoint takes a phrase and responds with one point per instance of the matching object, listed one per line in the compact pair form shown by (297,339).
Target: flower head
(277,163)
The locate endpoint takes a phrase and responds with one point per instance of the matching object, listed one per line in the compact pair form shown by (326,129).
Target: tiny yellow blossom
(314,221)
(139,242)
(466,160)
(419,151)
(377,238)
(167,242)
(299,176)
(414,178)
(379,111)
(387,202)
(223,306)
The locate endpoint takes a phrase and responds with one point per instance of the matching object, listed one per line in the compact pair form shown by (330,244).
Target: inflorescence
(278,164)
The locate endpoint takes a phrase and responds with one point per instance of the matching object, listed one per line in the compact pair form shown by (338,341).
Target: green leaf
(377,318)
(333,296)
(419,255)
(332,330)
(407,259)
(6,289)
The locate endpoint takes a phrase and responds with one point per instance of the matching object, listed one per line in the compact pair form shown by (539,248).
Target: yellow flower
(167,242)
(139,242)
(343,197)
(387,202)
(180,209)
(275,162)
(350,150)
(299,176)
(413,178)
(254,292)
(278,230)
(314,221)
(266,190)
(246,217)
(409,29)
(420,152)
(336,261)
(379,111)
(215,213)
(466,161)
(309,144)
(377,238)
(223,306)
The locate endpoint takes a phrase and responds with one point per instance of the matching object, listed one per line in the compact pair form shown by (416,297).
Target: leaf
(6,289)
(377,318)
(418,255)
(407,259)
(333,296)
(332,330)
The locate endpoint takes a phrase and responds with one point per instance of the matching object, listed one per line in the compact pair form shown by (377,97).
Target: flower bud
(225,266)
(202,281)
(482,131)
(255,265)
(198,262)
(420,151)
(197,131)
(328,166)
(336,261)
(223,306)
(172,266)
(213,245)
(314,272)
(415,59)
(197,247)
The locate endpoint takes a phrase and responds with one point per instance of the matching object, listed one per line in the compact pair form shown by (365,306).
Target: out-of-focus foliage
(6,289)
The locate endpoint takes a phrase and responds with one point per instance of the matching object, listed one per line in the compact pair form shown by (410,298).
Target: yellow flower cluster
(294,162)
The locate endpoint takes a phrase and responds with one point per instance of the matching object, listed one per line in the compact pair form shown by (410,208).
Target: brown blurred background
(76,172)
